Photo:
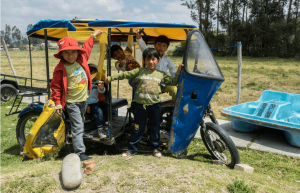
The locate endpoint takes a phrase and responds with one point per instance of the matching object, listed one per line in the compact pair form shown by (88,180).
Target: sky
(20,13)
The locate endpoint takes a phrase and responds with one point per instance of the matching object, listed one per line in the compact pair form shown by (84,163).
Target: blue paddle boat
(277,110)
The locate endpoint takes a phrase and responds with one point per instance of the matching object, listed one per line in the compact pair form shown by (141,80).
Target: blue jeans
(97,113)
(153,112)
(76,113)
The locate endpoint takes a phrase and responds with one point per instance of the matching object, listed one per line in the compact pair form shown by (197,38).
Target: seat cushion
(118,103)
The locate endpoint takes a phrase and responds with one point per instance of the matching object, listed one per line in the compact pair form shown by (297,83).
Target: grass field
(272,172)
(258,74)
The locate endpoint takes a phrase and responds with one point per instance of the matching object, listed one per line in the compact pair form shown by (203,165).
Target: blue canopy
(129,24)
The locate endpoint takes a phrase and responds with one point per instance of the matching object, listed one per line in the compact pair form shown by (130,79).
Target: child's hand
(138,35)
(88,109)
(101,85)
(179,67)
(59,111)
(122,62)
(106,80)
(97,32)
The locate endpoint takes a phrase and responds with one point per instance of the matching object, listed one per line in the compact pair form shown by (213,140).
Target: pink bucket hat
(68,44)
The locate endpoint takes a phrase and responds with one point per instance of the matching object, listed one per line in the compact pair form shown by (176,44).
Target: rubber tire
(20,127)
(11,88)
(235,156)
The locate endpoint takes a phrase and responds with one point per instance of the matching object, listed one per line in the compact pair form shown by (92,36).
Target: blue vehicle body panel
(188,113)
(277,110)
(37,108)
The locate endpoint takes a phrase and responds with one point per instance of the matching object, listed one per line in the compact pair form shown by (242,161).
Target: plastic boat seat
(277,110)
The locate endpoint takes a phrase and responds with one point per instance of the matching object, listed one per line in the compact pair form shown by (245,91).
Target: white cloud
(146,7)
(111,5)
(24,12)
(137,10)
(176,7)
(155,2)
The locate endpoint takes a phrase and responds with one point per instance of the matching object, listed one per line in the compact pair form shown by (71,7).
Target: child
(161,43)
(94,107)
(125,60)
(147,99)
(71,80)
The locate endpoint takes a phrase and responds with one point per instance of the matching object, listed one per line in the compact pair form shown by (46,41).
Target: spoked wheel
(7,92)
(24,125)
(220,145)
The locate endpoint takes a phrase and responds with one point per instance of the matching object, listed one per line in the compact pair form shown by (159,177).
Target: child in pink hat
(71,80)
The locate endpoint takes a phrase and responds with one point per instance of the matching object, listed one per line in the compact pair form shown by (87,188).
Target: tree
(265,27)
(1,36)
(203,12)
(24,41)
(16,36)
(29,26)
(196,8)
(289,11)
(7,34)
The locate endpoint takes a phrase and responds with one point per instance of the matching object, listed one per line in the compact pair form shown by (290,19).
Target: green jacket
(148,83)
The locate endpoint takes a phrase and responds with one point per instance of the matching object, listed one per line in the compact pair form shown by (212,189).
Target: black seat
(118,103)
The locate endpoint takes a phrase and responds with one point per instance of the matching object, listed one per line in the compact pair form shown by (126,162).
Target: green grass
(239,186)
(272,172)
(10,150)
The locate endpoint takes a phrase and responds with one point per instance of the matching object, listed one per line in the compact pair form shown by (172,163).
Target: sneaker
(84,157)
(156,153)
(102,134)
(87,135)
(126,154)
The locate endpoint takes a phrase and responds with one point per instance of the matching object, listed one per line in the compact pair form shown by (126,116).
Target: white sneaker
(156,153)
(101,132)
(127,154)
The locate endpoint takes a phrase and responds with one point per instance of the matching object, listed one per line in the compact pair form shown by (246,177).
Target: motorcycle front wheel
(220,145)
(24,125)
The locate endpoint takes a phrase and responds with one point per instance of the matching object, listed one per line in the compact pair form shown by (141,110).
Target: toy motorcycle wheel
(24,125)
(220,145)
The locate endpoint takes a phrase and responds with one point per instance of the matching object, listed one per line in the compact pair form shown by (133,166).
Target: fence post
(9,60)
(239,53)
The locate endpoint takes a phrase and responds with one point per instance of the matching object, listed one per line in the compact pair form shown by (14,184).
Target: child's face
(161,47)
(69,56)
(151,62)
(119,55)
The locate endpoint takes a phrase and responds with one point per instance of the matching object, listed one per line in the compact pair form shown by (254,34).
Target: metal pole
(239,52)
(32,97)
(109,85)
(47,62)
(118,79)
(9,60)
